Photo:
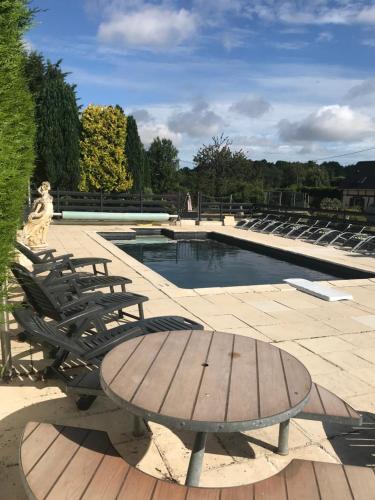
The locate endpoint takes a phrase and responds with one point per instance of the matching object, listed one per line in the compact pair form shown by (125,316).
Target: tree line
(99,148)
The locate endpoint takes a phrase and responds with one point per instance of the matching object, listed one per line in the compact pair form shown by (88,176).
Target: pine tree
(163,164)
(16,126)
(135,154)
(58,125)
(103,160)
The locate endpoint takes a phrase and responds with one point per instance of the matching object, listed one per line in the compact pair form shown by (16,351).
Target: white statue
(35,230)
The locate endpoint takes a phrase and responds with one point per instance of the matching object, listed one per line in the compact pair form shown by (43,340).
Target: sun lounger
(80,282)
(63,262)
(61,304)
(91,348)
(58,462)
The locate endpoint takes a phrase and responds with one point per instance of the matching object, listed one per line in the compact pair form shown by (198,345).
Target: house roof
(362,176)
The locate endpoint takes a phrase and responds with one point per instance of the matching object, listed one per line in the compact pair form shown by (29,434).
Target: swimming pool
(202,263)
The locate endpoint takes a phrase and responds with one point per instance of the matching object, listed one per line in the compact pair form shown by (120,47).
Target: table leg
(196,460)
(138,427)
(283,448)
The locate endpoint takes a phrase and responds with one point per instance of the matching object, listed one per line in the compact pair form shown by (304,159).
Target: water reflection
(209,263)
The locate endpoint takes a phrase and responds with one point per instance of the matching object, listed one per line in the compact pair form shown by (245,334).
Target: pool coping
(173,290)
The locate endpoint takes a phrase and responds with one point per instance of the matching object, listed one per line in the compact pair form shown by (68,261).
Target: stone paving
(336,342)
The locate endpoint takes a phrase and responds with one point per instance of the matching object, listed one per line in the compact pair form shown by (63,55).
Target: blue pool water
(210,263)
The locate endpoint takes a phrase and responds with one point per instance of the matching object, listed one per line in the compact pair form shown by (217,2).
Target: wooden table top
(205,381)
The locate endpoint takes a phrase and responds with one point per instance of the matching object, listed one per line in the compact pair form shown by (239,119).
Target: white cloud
(148,132)
(328,124)
(150,27)
(324,36)
(200,121)
(313,12)
(252,106)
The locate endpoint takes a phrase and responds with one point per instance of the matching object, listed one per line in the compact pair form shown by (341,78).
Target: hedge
(17,127)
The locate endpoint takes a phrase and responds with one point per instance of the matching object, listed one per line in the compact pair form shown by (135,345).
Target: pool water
(210,263)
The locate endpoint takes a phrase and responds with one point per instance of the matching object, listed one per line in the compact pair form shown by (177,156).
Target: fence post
(101,201)
(141,201)
(179,204)
(199,206)
(58,200)
(221,212)
(6,354)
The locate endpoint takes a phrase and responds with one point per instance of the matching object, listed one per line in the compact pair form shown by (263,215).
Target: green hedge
(16,125)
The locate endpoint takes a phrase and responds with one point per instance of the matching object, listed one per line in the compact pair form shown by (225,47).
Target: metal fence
(203,207)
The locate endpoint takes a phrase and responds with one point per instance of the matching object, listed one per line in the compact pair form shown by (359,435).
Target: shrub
(103,160)
(330,204)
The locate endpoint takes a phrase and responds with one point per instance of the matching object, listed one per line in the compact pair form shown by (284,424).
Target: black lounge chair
(62,303)
(83,282)
(90,349)
(63,262)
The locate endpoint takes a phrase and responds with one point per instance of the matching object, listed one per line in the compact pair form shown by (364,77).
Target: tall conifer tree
(135,154)
(58,125)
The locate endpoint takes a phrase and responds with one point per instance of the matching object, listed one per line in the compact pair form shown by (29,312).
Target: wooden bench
(325,406)
(60,462)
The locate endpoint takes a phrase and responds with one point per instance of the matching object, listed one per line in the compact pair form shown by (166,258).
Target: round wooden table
(206,381)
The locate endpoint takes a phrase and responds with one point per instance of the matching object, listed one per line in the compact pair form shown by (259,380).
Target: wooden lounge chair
(60,304)
(59,462)
(63,262)
(92,348)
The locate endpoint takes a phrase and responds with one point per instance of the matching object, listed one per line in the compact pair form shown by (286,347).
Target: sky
(284,80)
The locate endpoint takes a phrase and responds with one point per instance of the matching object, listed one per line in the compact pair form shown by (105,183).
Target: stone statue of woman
(35,230)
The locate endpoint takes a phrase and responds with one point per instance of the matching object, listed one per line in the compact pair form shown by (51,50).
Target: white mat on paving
(318,290)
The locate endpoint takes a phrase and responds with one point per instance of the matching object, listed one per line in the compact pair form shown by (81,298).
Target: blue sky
(288,80)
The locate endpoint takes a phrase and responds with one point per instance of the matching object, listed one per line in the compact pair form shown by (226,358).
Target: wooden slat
(298,381)
(361,481)
(80,470)
(332,404)
(181,396)
(153,389)
(245,492)
(271,488)
(42,476)
(29,429)
(301,481)
(243,397)
(117,358)
(37,443)
(137,486)
(213,394)
(166,490)
(108,479)
(332,481)
(132,373)
(203,494)
(273,395)
(314,404)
